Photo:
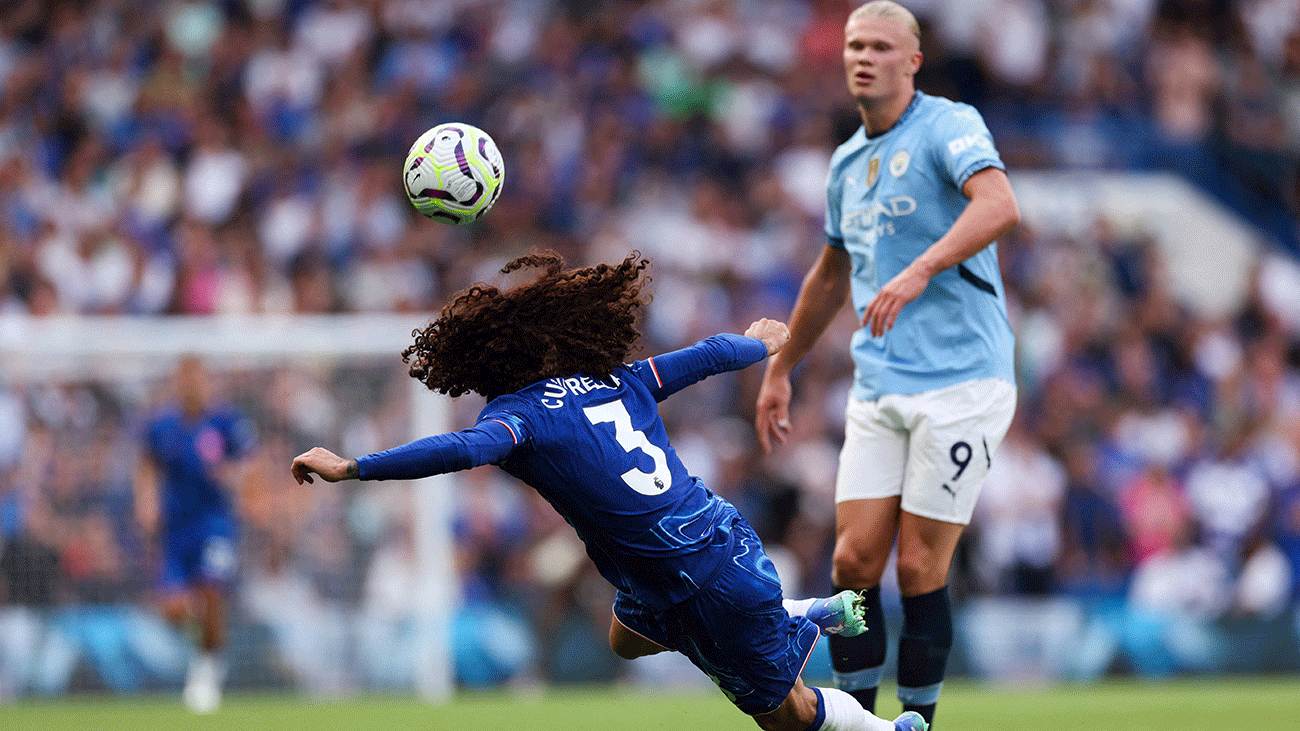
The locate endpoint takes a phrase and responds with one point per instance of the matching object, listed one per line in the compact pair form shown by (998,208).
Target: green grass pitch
(1254,704)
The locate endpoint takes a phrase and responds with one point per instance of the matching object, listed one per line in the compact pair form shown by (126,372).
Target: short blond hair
(887,9)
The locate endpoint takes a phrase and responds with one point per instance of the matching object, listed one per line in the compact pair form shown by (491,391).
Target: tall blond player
(916,200)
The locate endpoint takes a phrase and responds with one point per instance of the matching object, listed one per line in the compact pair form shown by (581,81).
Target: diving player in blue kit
(191,453)
(568,417)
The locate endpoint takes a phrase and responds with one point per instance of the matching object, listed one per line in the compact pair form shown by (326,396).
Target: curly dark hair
(495,342)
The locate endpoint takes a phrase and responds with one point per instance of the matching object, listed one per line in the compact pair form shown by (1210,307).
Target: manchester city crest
(898,163)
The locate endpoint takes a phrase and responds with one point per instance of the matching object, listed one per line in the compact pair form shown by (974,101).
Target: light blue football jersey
(889,198)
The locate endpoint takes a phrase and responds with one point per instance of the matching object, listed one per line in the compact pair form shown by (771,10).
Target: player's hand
(325,463)
(772,420)
(773,333)
(883,311)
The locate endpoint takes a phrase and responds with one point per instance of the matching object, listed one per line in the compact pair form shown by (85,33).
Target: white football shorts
(933,448)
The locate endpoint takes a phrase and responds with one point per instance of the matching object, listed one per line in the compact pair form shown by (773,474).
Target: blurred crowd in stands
(243,157)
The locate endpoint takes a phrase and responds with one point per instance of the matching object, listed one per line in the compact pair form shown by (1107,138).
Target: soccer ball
(453,173)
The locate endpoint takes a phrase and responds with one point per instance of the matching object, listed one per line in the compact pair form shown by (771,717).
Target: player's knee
(920,574)
(633,651)
(629,646)
(618,644)
(854,568)
(623,649)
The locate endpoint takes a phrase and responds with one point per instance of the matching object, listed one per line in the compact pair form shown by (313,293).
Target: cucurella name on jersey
(555,389)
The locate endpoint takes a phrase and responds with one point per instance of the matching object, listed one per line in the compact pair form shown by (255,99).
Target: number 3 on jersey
(646,483)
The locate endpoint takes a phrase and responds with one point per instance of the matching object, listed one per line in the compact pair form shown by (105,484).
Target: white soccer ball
(453,173)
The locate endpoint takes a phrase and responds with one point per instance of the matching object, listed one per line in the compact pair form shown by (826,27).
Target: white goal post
(73,348)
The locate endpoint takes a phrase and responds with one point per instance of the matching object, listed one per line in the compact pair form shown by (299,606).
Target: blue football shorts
(200,552)
(734,628)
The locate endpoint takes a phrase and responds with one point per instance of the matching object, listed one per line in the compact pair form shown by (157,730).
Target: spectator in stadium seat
(191,461)
(387,622)
(1167,624)
(1154,506)
(1018,516)
(30,584)
(1175,597)
(915,203)
(310,633)
(1094,562)
(1286,532)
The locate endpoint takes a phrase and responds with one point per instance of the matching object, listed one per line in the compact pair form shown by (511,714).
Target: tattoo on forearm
(352,471)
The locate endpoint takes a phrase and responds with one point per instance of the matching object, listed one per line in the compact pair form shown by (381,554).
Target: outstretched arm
(491,440)
(671,372)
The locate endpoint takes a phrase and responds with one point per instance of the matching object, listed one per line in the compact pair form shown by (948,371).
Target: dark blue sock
(923,650)
(820,718)
(859,661)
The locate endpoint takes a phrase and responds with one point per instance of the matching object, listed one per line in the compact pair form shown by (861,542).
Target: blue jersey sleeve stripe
(513,435)
(820,718)
(655,370)
(711,356)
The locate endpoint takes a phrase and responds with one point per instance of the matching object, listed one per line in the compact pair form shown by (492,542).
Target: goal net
(339,588)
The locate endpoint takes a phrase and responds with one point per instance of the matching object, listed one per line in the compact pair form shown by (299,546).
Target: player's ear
(916,62)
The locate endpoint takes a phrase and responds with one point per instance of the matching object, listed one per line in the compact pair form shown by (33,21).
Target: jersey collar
(911,107)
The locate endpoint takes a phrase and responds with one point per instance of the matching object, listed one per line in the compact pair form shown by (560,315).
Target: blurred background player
(916,200)
(567,416)
(189,465)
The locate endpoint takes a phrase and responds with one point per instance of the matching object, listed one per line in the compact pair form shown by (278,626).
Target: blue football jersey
(185,452)
(597,450)
(889,198)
